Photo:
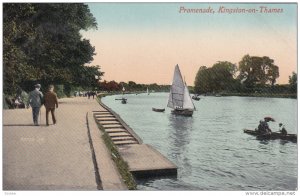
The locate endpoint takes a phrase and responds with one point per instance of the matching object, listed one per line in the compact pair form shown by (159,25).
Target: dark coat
(50,100)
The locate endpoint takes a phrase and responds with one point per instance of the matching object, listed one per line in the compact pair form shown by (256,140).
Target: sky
(142,42)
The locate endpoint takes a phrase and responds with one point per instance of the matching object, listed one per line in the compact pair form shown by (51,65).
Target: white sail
(176,96)
(187,100)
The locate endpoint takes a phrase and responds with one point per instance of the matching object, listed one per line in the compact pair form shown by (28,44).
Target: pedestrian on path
(35,101)
(50,104)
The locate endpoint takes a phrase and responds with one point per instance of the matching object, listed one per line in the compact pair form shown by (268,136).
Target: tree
(293,82)
(16,31)
(42,43)
(257,71)
(218,78)
(202,80)
(223,75)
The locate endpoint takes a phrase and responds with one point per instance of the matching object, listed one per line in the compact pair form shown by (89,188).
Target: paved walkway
(58,157)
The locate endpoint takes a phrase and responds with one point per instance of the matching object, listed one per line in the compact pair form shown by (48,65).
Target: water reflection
(180,127)
(179,134)
(210,149)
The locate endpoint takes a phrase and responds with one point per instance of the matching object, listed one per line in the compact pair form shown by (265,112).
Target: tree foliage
(254,72)
(42,43)
(215,79)
(258,71)
(293,82)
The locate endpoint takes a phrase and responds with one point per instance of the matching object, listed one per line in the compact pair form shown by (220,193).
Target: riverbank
(266,95)
(291,96)
(70,155)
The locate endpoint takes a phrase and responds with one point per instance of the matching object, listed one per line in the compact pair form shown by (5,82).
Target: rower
(282,130)
(260,127)
(263,127)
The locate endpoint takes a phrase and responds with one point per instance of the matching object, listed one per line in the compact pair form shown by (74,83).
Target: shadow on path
(22,125)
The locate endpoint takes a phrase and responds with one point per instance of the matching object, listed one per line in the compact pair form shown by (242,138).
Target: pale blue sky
(151,38)
(145,16)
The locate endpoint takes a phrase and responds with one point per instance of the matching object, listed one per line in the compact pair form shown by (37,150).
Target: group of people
(85,94)
(91,93)
(37,99)
(263,127)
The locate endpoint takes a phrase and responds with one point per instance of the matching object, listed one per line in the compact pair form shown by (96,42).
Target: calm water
(210,148)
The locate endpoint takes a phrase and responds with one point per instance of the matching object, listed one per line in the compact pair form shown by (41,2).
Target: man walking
(50,103)
(35,101)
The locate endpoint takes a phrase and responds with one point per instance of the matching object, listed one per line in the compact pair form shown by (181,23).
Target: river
(210,149)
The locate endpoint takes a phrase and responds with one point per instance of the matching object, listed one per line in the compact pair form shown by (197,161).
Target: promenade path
(57,157)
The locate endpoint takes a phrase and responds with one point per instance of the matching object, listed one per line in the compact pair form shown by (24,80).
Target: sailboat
(179,98)
(148,91)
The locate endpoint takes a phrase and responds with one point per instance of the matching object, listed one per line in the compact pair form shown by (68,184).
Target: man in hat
(35,101)
(50,103)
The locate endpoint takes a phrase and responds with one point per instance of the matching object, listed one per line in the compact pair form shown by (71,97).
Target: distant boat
(148,91)
(158,110)
(124,101)
(179,98)
(218,95)
(195,97)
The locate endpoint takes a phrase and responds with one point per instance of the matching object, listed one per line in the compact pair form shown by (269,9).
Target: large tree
(218,78)
(42,43)
(16,31)
(256,70)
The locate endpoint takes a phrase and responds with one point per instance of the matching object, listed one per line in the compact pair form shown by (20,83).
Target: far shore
(289,96)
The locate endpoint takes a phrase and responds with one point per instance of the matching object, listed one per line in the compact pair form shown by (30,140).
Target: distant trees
(110,86)
(215,79)
(257,71)
(293,82)
(251,73)
(132,86)
(42,43)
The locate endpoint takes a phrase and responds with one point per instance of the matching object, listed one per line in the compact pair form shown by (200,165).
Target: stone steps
(123,138)
(118,143)
(104,116)
(116,130)
(110,123)
(118,134)
(112,126)
(107,119)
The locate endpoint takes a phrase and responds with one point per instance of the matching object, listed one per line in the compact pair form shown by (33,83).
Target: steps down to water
(143,160)
(112,126)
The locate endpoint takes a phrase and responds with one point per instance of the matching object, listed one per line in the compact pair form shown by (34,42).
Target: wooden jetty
(143,160)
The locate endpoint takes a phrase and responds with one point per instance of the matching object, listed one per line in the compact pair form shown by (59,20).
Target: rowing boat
(272,136)
(158,110)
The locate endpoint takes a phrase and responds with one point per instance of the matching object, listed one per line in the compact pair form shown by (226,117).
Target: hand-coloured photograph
(172,96)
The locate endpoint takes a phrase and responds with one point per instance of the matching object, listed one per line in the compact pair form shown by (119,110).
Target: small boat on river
(158,110)
(272,136)
(179,98)
(124,101)
(195,97)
